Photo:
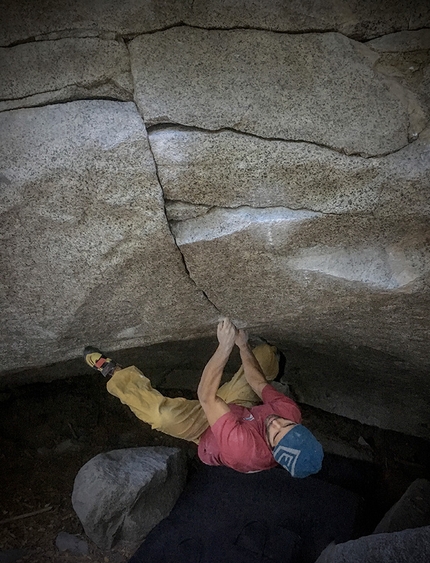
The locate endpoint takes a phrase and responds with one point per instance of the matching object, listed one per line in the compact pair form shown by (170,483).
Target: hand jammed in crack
(226,333)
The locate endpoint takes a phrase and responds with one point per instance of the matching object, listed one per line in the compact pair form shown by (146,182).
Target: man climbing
(245,424)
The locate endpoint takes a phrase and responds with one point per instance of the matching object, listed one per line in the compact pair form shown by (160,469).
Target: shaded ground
(49,430)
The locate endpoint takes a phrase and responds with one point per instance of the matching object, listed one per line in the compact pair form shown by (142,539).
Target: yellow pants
(179,417)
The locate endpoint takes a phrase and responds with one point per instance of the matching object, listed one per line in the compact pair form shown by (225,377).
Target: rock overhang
(284,182)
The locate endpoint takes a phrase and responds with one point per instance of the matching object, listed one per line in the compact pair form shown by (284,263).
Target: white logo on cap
(287,457)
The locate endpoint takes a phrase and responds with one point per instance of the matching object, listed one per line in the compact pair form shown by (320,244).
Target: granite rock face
(49,19)
(342,263)
(121,495)
(319,88)
(359,19)
(201,170)
(265,160)
(87,254)
(43,72)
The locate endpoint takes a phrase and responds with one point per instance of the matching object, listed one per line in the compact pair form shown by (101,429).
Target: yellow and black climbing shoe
(97,360)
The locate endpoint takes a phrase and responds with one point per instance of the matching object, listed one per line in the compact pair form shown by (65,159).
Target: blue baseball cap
(299,452)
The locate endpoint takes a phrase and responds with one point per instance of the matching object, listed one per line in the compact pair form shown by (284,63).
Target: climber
(245,424)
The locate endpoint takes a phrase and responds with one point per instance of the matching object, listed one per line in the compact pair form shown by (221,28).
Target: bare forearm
(211,376)
(252,370)
(213,406)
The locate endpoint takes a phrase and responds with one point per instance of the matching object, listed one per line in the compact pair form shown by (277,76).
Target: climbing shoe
(97,360)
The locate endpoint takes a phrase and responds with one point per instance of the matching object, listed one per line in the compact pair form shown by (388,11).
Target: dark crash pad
(224,516)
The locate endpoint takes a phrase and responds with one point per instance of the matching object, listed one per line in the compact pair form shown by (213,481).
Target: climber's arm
(251,368)
(213,406)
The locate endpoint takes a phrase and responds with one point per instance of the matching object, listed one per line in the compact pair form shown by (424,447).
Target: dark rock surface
(69,542)
(120,496)
(411,511)
(408,546)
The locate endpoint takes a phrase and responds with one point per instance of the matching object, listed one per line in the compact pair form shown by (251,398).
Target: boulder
(284,184)
(411,511)
(70,542)
(408,546)
(121,495)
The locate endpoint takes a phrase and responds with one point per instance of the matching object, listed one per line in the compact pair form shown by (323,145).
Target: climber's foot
(98,361)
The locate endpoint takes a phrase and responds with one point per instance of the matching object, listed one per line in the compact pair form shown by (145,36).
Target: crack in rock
(67,87)
(173,235)
(79,33)
(150,124)
(152,128)
(221,222)
(178,211)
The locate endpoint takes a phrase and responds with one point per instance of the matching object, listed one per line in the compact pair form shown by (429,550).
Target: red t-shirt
(238,438)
